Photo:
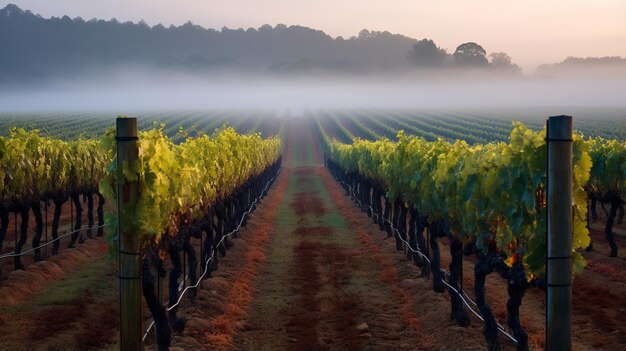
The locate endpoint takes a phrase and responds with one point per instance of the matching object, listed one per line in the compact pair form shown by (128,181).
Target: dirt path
(322,280)
(66,303)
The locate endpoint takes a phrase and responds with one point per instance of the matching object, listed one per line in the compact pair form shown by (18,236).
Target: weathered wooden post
(560,232)
(128,238)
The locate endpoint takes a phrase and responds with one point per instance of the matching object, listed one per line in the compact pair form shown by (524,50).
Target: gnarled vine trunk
(58,207)
(516,288)
(401,234)
(89,214)
(162,328)
(387,217)
(436,229)
(615,202)
(396,223)
(420,224)
(76,234)
(24,215)
(456,252)
(486,265)
(38,229)
(192,260)
(100,214)
(413,217)
(177,324)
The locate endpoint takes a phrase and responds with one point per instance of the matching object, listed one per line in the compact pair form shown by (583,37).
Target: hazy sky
(531,31)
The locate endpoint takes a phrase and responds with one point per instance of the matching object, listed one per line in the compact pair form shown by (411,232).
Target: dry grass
(238,292)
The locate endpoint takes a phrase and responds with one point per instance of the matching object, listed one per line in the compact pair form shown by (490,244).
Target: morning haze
(85,63)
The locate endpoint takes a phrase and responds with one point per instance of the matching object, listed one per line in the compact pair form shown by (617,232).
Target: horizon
(589,39)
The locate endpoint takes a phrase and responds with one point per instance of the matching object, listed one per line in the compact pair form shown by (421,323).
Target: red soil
(85,322)
(388,273)
(308,202)
(323,304)
(221,306)
(21,285)
(314,231)
(90,323)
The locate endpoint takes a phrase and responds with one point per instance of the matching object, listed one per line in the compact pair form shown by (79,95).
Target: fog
(135,88)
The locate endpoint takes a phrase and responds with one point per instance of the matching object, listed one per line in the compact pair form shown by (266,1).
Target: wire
(206,265)
(13,254)
(462,294)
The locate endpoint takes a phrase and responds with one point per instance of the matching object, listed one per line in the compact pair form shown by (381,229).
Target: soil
(18,286)
(68,302)
(310,271)
(321,281)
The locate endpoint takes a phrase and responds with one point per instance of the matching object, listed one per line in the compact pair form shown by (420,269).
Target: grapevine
(489,198)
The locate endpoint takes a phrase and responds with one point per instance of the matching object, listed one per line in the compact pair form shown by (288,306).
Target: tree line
(34,47)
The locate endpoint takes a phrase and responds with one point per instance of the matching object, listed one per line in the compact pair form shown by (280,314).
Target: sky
(532,32)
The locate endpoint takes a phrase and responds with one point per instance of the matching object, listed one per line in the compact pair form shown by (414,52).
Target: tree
(502,62)
(266,28)
(470,54)
(426,54)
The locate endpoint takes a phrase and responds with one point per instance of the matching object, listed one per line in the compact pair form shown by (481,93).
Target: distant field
(72,125)
(474,126)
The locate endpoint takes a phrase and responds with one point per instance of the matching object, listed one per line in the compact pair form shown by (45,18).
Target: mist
(140,88)
(65,64)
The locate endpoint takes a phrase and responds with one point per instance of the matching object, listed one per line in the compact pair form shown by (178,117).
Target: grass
(54,318)
(91,278)
(331,218)
(112,347)
(358,280)
(284,241)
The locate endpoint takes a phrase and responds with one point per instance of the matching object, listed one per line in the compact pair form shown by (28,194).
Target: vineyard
(338,229)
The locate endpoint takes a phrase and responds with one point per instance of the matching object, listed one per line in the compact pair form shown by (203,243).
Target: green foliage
(490,192)
(179,182)
(33,167)
(609,165)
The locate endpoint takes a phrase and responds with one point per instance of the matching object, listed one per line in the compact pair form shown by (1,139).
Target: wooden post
(560,231)
(128,238)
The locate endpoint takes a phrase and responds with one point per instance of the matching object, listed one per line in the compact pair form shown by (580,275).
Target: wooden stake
(128,238)
(560,232)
